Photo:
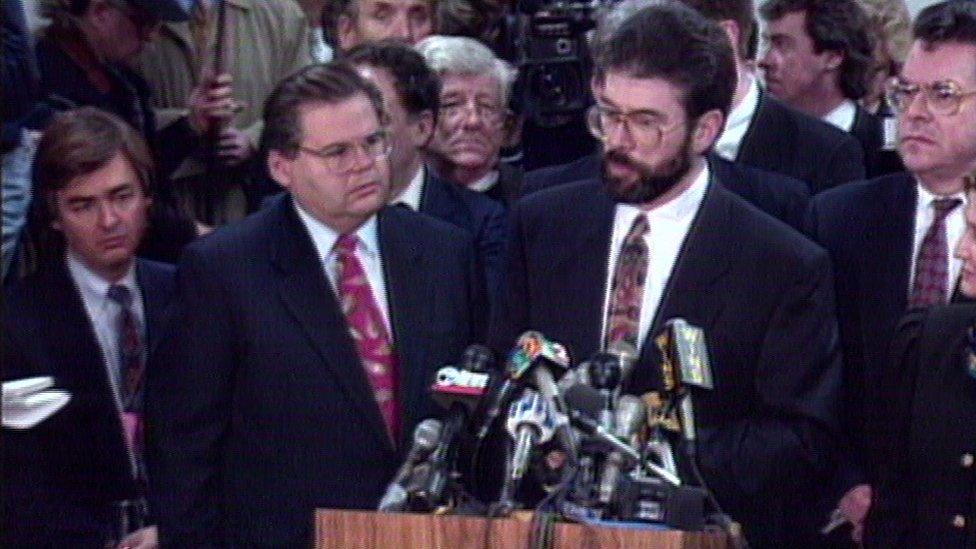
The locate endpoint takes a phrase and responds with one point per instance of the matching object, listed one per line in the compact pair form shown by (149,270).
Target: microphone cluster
(595,452)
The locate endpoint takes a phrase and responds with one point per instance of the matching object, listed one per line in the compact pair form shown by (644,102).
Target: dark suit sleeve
(188,408)
(843,164)
(892,509)
(797,380)
(511,315)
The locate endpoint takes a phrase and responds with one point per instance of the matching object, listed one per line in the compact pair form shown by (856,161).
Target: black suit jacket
(778,195)
(260,408)
(61,477)
(509,186)
(868,230)
(484,218)
(868,129)
(763,296)
(928,479)
(787,141)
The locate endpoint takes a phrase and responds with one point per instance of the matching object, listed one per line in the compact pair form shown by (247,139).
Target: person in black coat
(761,291)
(265,405)
(66,478)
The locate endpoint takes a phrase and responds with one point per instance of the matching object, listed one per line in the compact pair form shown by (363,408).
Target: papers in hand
(28,402)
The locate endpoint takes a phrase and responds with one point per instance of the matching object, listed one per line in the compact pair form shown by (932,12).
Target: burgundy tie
(369,333)
(931,265)
(131,368)
(627,291)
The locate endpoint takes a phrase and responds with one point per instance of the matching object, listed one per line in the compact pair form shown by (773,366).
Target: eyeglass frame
(596,111)
(480,110)
(361,145)
(929,89)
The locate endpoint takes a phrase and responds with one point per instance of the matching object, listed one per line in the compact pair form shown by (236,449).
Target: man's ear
(833,59)
(280,168)
(734,33)
(512,130)
(707,131)
(421,129)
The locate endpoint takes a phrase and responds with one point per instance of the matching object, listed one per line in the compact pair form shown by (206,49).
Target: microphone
(630,415)
(425,437)
(530,348)
(684,364)
(530,422)
(459,390)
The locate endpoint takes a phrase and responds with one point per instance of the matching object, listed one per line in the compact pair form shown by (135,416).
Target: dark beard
(650,184)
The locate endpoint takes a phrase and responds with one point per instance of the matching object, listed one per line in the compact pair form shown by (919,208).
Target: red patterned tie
(627,291)
(931,265)
(131,368)
(369,332)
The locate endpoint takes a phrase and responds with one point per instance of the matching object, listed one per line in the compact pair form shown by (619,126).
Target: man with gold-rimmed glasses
(891,238)
(307,333)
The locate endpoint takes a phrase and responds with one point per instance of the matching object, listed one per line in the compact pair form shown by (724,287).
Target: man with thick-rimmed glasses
(307,334)
(891,238)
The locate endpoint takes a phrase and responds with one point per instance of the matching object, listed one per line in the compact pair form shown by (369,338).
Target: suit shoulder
(767,233)
(426,229)
(242,237)
(859,195)
(559,197)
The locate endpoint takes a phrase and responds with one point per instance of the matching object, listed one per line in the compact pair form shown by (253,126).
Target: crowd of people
(245,234)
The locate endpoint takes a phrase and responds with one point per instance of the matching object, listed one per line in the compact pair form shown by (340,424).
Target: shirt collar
(411,195)
(488,181)
(926,197)
(744,111)
(325,237)
(92,286)
(842,116)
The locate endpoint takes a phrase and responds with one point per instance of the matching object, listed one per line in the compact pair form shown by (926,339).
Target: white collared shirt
(411,195)
(737,124)
(488,181)
(843,116)
(955,224)
(104,312)
(669,225)
(368,253)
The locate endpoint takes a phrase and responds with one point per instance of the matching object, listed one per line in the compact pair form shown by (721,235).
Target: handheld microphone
(630,415)
(530,348)
(425,438)
(459,390)
(530,422)
(685,364)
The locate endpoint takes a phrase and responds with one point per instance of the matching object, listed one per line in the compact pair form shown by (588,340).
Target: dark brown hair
(77,143)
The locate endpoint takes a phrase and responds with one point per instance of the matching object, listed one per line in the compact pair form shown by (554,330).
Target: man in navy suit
(890,238)
(87,316)
(818,60)
(411,94)
(611,259)
(307,335)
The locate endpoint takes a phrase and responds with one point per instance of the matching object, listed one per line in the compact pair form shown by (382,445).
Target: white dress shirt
(955,224)
(843,116)
(411,195)
(104,313)
(488,181)
(669,225)
(738,123)
(368,253)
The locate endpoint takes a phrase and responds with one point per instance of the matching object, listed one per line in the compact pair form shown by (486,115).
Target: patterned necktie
(627,291)
(369,333)
(132,368)
(931,265)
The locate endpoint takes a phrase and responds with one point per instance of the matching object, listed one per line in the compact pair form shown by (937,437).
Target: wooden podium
(368,530)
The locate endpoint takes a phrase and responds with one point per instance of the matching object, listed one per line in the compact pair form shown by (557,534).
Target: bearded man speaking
(659,237)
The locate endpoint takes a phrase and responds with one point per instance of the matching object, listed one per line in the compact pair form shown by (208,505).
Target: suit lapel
(436,201)
(408,296)
(887,257)
(308,296)
(704,257)
(770,134)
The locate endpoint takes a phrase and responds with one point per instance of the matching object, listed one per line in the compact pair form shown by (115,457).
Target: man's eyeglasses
(943,98)
(454,110)
(341,157)
(644,127)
